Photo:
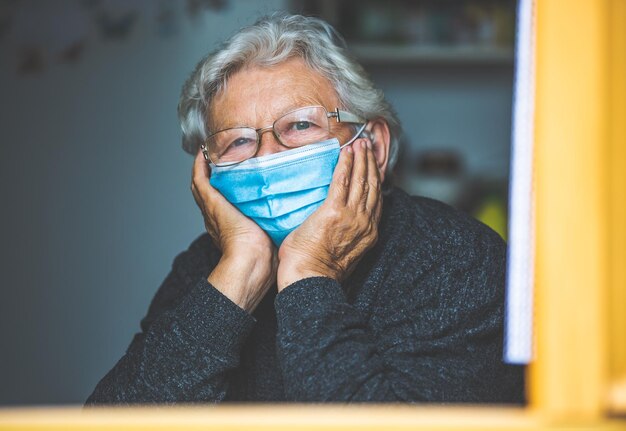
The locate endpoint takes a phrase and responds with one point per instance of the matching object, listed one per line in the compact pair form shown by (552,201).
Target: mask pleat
(281,190)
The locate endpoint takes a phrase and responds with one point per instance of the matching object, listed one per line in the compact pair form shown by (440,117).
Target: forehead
(256,96)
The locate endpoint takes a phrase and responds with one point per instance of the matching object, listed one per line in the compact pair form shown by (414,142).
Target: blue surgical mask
(279,191)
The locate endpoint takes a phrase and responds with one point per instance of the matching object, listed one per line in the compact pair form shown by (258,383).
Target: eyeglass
(294,129)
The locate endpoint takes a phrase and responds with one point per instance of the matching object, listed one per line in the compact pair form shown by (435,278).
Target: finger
(197,197)
(200,173)
(359,185)
(200,180)
(373,179)
(340,185)
(378,210)
(205,195)
(211,200)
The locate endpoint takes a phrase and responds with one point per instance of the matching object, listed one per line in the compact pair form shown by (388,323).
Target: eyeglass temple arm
(345,117)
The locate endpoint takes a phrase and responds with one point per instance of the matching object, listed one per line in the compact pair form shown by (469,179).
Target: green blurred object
(493,213)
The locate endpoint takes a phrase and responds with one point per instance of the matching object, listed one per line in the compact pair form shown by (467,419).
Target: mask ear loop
(356,136)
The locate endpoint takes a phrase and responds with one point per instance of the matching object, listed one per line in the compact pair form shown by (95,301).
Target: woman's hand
(333,239)
(247,268)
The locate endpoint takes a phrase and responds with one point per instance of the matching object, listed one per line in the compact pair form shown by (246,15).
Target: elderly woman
(317,280)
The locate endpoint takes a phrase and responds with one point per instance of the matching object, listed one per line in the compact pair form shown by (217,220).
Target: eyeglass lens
(295,129)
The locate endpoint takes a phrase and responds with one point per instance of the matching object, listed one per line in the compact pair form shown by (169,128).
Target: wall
(96,201)
(461,107)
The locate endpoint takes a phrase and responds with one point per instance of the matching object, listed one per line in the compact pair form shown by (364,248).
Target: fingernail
(369,144)
(349,148)
(363,145)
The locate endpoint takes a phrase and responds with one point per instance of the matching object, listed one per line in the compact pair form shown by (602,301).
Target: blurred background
(95,185)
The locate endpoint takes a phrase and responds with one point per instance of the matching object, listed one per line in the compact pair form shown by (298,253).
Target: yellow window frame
(579,375)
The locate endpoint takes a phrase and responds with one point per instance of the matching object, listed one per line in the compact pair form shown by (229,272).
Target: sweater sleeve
(433,337)
(190,341)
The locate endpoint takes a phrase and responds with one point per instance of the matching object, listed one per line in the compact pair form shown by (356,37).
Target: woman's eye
(301,125)
(239,142)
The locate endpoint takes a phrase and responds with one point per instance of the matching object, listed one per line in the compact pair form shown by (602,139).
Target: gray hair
(273,40)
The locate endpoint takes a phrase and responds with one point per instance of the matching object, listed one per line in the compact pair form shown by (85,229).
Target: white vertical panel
(520,274)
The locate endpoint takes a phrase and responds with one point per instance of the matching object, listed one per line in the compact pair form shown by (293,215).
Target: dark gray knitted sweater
(419,320)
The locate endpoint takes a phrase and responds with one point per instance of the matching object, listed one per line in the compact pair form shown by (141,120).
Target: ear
(378,131)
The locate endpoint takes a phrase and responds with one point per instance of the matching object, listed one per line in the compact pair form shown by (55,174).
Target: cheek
(343,132)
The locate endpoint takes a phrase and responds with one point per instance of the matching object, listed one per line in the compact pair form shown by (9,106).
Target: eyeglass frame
(337,114)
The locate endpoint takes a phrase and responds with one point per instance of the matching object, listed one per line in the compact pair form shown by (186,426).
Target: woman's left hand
(335,237)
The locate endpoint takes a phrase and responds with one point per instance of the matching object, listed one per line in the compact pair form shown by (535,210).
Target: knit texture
(420,320)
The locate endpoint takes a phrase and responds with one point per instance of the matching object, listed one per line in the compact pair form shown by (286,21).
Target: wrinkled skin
(248,265)
(334,238)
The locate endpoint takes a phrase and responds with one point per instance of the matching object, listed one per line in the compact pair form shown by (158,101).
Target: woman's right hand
(247,268)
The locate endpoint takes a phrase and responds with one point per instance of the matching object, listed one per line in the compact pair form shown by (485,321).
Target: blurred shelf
(415,54)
